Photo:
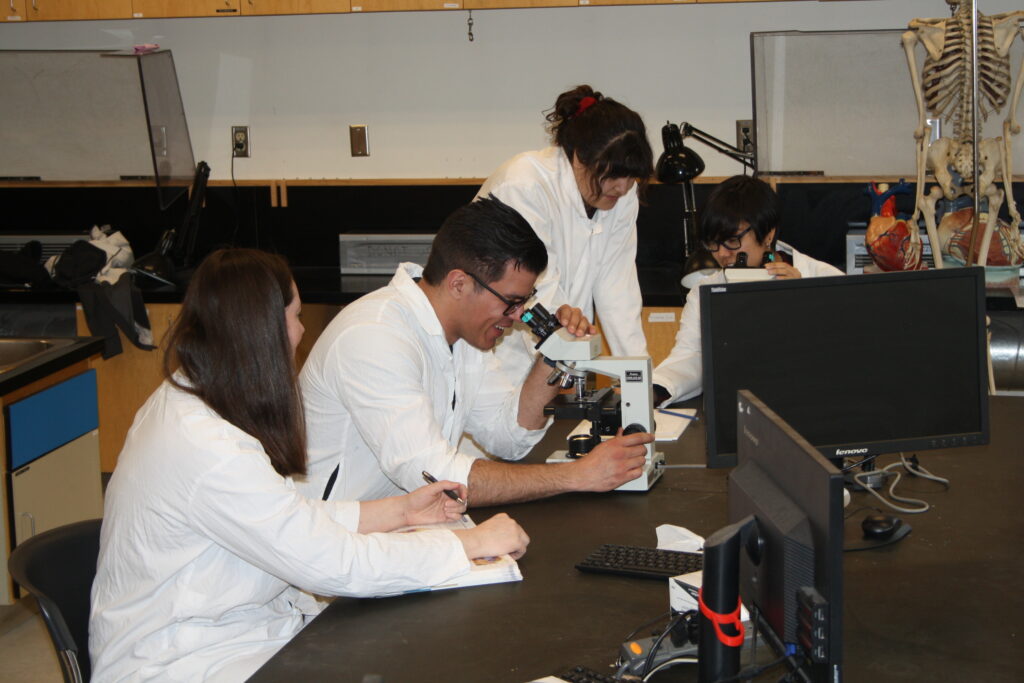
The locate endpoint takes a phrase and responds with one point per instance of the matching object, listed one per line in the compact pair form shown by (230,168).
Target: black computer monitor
(859,365)
(783,550)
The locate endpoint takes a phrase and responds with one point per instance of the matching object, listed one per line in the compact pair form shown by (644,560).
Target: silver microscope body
(572,359)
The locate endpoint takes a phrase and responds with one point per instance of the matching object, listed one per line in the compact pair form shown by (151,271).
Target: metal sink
(15,351)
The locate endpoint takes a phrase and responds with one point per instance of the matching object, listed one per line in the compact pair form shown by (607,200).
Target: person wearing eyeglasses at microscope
(398,376)
(739,223)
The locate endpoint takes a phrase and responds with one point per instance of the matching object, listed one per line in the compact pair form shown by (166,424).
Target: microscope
(572,359)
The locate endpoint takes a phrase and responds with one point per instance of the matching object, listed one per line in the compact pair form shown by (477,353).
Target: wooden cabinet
(264,7)
(660,324)
(54,10)
(58,10)
(185,8)
(403,5)
(641,2)
(509,4)
(125,381)
(13,10)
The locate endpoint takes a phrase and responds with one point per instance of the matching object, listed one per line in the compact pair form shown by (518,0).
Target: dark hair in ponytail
(607,137)
(231,343)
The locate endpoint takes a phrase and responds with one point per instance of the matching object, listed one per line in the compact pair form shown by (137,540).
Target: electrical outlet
(745,136)
(359,141)
(240,141)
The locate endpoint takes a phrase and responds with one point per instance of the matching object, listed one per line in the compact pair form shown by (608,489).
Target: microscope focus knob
(634,428)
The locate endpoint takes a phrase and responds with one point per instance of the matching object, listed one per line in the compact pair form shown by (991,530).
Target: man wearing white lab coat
(399,375)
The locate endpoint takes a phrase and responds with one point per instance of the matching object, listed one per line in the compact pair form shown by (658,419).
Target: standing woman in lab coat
(580,196)
(207,552)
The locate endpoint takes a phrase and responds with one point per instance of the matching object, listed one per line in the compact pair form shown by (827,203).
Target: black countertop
(326,285)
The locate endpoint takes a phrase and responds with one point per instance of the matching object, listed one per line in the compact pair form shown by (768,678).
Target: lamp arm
(745,158)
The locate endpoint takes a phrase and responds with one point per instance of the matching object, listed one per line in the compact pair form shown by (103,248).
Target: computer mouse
(880,526)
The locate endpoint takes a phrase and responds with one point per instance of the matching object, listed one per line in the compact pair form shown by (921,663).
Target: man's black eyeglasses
(732,243)
(510,304)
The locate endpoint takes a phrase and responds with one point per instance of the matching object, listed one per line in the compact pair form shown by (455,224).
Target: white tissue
(672,537)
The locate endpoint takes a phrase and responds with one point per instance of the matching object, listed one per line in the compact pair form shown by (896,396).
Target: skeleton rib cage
(946,81)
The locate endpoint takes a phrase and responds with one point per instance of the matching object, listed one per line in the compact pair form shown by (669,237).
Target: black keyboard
(581,674)
(646,563)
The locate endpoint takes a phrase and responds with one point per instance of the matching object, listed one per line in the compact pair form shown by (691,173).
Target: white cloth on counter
(681,373)
(205,547)
(119,254)
(386,398)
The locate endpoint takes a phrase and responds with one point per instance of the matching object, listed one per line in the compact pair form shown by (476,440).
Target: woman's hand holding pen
(429,504)
(498,535)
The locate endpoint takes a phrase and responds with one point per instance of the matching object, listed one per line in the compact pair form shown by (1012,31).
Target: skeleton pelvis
(958,227)
(889,244)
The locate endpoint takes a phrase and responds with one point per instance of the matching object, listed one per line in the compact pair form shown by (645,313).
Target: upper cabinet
(55,10)
(58,10)
(260,7)
(403,5)
(512,4)
(13,10)
(185,8)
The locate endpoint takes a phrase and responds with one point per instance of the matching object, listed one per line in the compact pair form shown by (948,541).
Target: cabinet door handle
(31,523)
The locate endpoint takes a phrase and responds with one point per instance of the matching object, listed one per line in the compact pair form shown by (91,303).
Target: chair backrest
(57,567)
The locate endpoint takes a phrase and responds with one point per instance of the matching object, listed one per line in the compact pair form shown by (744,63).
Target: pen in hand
(430,479)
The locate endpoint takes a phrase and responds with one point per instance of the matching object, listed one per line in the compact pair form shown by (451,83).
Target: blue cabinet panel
(51,418)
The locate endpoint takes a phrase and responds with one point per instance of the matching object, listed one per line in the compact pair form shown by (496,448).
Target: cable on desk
(655,620)
(657,643)
(922,506)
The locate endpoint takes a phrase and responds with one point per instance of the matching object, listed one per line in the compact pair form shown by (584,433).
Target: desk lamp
(679,164)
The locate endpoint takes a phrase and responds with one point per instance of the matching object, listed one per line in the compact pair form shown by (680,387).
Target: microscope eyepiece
(540,322)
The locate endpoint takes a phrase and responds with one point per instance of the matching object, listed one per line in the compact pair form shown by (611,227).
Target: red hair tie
(585,104)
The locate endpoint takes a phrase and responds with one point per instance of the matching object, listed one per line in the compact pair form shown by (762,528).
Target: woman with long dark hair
(580,195)
(208,556)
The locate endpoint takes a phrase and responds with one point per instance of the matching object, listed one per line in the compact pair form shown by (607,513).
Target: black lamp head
(678,163)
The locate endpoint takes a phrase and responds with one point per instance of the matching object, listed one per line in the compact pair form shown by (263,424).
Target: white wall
(438,105)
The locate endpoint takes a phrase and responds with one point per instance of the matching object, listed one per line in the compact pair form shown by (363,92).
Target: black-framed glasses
(732,243)
(510,304)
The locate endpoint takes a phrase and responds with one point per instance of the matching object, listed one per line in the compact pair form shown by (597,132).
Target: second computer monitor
(859,365)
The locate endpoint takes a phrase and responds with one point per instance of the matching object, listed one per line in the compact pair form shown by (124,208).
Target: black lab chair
(57,567)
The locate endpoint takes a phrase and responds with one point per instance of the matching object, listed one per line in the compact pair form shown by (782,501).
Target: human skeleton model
(947,93)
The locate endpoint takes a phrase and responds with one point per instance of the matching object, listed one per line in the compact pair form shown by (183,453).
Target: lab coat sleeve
(378,376)
(681,373)
(248,508)
(494,420)
(617,297)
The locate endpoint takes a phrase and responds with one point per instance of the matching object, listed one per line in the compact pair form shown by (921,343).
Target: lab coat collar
(405,284)
(569,188)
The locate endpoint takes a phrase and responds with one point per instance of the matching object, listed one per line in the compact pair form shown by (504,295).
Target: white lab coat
(681,373)
(591,261)
(204,548)
(387,398)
